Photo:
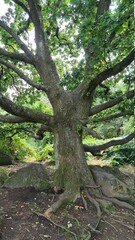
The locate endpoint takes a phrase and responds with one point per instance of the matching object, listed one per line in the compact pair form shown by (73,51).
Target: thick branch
(24,112)
(92,132)
(25,28)
(104,146)
(13,119)
(111,71)
(17,39)
(84,89)
(111,103)
(110,117)
(40,133)
(22,5)
(120,22)
(21,75)
(37,19)
(103,7)
(16,56)
(44,62)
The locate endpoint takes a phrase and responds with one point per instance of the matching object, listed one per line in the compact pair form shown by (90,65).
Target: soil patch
(21,217)
(19,222)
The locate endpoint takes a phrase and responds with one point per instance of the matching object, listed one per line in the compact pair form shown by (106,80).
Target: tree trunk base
(110,185)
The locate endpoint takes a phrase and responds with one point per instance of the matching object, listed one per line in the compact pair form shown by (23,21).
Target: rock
(3,175)
(111,185)
(32,175)
(5,159)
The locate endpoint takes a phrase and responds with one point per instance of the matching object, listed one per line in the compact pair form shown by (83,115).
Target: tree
(102,37)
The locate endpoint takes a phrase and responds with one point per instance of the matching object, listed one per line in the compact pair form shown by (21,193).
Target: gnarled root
(121,204)
(64,198)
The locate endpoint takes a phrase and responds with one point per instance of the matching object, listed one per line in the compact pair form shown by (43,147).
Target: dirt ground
(18,220)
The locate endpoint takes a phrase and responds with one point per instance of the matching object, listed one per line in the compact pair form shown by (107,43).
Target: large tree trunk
(72,172)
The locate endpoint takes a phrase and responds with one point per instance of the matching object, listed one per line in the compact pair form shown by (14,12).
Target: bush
(22,149)
(47,153)
(121,154)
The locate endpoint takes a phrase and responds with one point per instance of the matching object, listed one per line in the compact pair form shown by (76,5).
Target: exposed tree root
(68,196)
(89,236)
(55,224)
(110,225)
(125,225)
(94,194)
(95,203)
(65,197)
(119,203)
(94,229)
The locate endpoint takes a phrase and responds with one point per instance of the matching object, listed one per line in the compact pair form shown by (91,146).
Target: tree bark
(72,172)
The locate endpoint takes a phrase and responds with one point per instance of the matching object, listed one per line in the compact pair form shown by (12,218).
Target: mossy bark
(72,172)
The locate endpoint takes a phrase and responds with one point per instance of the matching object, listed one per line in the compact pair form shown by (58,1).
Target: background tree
(100,34)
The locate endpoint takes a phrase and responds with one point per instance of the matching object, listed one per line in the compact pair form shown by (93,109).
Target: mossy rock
(5,159)
(113,182)
(32,175)
(3,175)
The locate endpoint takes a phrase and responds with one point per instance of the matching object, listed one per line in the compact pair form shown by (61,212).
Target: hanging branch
(98,148)
(92,132)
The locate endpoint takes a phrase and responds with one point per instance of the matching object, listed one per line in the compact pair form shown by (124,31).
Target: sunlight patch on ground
(98,161)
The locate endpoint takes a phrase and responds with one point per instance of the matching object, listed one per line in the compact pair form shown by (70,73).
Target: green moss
(33,175)
(67,177)
(3,175)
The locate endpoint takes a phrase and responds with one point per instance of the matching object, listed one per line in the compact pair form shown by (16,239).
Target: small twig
(55,224)
(125,225)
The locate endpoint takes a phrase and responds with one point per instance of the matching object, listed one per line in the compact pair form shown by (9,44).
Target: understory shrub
(47,153)
(119,155)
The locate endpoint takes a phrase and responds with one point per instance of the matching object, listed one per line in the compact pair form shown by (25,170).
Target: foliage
(22,150)
(83,44)
(120,155)
(47,153)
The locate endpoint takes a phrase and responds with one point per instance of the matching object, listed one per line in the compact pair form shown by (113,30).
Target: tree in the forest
(82,51)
